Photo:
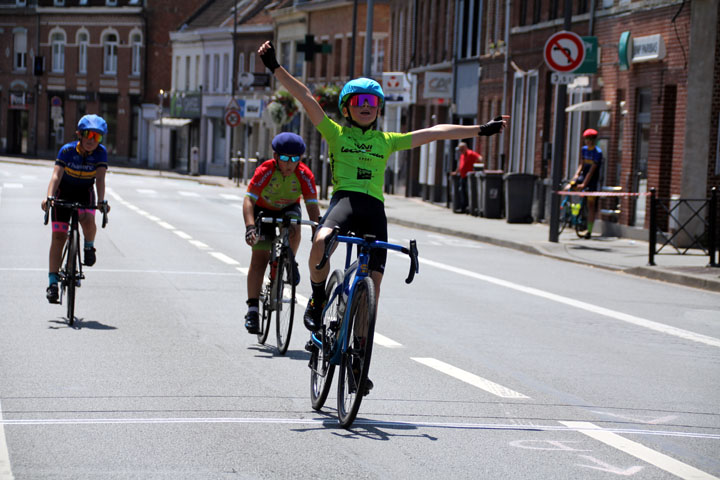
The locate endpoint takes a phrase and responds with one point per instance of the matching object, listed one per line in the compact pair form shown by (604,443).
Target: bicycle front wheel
(321,370)
(265,314)
(285,300)
(355,362)
(71,276)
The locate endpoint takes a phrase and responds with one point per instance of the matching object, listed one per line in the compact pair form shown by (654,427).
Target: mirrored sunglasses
(92,135)
(289,158)
(362,98)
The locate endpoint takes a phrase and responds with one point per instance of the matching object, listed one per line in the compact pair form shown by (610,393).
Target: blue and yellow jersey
(80,169)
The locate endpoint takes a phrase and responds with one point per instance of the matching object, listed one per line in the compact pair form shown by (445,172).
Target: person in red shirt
(465,165)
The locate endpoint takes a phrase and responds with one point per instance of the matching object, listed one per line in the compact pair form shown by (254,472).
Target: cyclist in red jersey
(275,191)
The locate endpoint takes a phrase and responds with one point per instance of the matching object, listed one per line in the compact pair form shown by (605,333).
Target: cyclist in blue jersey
(587,177)
(358,155)
(79,172)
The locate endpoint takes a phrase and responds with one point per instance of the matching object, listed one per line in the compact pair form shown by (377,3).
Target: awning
(590,106)
(172,122)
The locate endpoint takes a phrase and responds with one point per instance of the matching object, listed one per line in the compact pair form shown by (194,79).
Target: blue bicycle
(345,338)
(574,213)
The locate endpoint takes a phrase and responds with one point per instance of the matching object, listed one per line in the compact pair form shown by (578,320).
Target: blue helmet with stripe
(360,85)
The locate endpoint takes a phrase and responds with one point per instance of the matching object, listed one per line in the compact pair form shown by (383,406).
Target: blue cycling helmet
(288,143)
(93,122)
(360,85)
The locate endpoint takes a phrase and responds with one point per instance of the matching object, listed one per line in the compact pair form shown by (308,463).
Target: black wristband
(270,59)
(492,127)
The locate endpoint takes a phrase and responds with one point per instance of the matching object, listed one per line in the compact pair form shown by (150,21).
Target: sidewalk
(618,254)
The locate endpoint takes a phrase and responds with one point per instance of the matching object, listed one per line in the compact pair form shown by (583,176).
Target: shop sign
(250,107)
(397,87)
(647,49)
(185,105)
(625,50)
(81,96)
(20,100)
(438,85)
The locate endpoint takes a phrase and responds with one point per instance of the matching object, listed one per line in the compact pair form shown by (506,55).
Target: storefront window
(218,140)
(108,110)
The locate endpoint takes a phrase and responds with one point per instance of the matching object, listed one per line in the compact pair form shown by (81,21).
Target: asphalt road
(492,364)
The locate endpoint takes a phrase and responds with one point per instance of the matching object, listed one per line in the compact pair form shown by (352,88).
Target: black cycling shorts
(268,231)
(86,197)
(360,214)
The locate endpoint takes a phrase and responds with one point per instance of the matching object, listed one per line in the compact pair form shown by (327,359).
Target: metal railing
(686,216)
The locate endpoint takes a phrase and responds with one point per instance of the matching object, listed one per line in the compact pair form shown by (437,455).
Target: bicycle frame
(357,270)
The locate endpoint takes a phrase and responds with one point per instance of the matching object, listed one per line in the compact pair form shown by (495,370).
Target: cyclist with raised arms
(79,172)
(358,156)
(274,191)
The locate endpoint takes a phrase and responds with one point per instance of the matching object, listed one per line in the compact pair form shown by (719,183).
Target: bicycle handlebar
(52,202)
(288,220)
(412,251)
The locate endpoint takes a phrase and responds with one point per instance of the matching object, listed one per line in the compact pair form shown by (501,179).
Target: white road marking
(637,450)
(12,185)
(606,467)
(224,258)
(118,270)
(165,225)
(638,321)
(146,191)
(5,470)
(153,218)
(28,177)
(470,378)
(228,196)
(188,194)
(182,234)
(244,271)
(647,419)
(385,341)
(199,244)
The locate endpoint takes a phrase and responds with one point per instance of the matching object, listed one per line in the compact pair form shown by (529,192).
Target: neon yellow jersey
(358,159)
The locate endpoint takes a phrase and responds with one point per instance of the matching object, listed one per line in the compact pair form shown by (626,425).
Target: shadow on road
(79,323)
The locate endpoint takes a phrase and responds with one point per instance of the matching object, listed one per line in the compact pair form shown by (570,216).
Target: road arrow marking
(606,467)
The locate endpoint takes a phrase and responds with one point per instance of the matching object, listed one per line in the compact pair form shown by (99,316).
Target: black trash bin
(472,193)
(519,193)
(490,193)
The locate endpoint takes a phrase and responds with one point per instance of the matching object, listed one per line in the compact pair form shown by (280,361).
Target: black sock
(253,302)
(318,290)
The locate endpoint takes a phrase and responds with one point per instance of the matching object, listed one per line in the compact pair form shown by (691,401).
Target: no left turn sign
(564,51)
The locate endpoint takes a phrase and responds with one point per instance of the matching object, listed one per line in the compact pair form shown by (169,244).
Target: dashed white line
(642,452)
(641,322)
(228,196)
(224,258)
(165,225)
(12,185)
(470,378)
(146,191)
(188,194)
(199,244)
(385,341)
(182,234)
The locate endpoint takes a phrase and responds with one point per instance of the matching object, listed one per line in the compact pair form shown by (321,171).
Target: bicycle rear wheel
(321,370)
(285,303)
(355,362)
(565,214)
(71,275)
(265,314)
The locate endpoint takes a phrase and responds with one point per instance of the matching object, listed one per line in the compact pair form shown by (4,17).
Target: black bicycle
(70,273)
(278,294)
(574,213)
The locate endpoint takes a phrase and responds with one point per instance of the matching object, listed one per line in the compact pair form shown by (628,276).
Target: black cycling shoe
(252,322)
(89,257)
(356,374)
(313,313)
(52,293)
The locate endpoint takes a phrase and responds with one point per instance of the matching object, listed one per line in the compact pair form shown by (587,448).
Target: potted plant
(282,107)
(327,97)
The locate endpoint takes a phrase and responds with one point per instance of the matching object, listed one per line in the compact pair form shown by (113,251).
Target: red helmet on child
(590,132)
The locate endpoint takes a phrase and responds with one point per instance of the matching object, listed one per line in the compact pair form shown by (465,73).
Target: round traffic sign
(232,118)
(564,51)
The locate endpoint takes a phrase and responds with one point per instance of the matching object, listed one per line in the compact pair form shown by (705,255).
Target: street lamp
(161,102)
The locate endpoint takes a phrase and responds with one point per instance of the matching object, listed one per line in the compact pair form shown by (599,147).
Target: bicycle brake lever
(414,264)
(329,244)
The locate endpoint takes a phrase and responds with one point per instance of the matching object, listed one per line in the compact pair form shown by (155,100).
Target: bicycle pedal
(311,347)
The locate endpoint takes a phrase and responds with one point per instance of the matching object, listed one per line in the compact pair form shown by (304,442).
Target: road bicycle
(574,214)
(278,294)
(71,274)
(345,338)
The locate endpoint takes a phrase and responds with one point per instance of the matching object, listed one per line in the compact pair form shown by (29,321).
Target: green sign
(185,105)
(590,64)
(625,51)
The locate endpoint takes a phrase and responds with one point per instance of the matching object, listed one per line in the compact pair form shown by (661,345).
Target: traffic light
(39,66)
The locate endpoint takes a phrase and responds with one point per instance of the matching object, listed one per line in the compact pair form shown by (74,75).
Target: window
(470,23)
(136,43)
(111,3)
(20,49)
(516,125)
(530,120)
(216,72)
(83,40)
(59,3)
(252,63)
(197,72)
(285,50)
(57,42)
(187,73)
(206,74)
(110,53)
(299,61)
(241,63)
(226,73)
(20,3)
(378,58)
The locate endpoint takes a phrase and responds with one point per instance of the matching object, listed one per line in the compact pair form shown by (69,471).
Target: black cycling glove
(270,59)
(492,127)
